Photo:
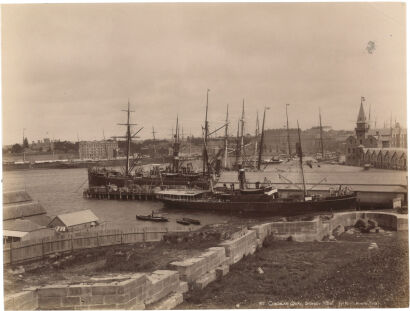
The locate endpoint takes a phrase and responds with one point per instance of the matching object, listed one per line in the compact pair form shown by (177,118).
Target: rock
(360,223)
(332,238)
(381,230)
(372,230)
(237,305)
(372,223)
(56,264)
(373,246)
(338,230)
(260,271)
(350,231)
(18,270)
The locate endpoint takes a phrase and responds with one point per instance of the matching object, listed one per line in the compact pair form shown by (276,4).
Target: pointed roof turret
(361,117)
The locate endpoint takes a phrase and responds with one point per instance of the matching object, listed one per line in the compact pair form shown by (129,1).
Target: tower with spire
(362,126)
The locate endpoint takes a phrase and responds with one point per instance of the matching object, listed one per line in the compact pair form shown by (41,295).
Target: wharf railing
(31,250)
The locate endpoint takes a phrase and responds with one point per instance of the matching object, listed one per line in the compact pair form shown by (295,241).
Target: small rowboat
(183,222)
(192,221)
(152,218)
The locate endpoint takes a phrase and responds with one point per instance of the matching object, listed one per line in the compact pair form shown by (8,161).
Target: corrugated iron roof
(25,209)
(77,218)
(23,225)
(16,197)
(14,234)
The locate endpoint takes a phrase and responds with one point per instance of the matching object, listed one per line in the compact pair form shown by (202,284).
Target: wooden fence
(19,252)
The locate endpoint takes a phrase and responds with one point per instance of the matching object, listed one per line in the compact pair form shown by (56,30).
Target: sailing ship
(261,199)
(174,174)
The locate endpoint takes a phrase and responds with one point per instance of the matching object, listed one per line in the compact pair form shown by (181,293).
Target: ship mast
(205,151)
(128,137)
(321,135)
(287,130)
(226,139)
(24,150)
(242,129)
(237,150)
(175,167)
(262,136)
(256,135)
(153,142)
(127,165)
(300,154)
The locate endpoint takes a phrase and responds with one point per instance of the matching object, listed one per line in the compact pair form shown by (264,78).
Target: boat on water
(261,199)
(175,174)
(183,222)
(192,221)
(152,218)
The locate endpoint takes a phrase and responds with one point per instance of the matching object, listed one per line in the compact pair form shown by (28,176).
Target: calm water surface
(60,190)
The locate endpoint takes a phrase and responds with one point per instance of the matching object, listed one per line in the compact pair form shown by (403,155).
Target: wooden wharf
(103,193)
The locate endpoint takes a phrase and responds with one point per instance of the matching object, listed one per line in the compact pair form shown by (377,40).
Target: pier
(105,193)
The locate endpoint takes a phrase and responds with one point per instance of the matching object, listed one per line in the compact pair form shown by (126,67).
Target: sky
(69,69)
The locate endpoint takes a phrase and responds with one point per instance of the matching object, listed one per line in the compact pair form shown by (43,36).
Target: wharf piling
(105,193)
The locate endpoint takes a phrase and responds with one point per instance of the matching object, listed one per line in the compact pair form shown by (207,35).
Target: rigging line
(81,185)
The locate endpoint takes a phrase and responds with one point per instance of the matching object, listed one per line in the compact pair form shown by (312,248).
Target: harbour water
(60,190)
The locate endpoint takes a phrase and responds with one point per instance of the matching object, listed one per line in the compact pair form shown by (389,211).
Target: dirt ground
(120,260)
(340,274)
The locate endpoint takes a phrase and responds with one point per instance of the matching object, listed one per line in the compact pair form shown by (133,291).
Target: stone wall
(26,300)
(163,289)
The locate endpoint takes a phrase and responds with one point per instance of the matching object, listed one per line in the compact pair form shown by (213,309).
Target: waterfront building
(276,140)
(75,221)
(23,218)
(105,149)
(382,148)
(44,145)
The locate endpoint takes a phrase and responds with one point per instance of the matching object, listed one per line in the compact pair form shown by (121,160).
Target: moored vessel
(174,174)
(261,199)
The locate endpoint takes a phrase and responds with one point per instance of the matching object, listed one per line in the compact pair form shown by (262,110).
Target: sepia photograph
(204,155)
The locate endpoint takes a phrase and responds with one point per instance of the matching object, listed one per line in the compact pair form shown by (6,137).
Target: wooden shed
(75,221)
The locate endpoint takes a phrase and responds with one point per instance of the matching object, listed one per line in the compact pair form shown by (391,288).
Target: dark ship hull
(277,207)
(105,178)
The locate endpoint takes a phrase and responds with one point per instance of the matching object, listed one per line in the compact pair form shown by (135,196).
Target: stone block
(221,271)
(103,289)
(47,302)
(70,301)
(183,287)
(132,304)
(74,291)
(110,299)
(103,307)
(169,302)
(25,300)
(53,291)
(204,280)
(92,300)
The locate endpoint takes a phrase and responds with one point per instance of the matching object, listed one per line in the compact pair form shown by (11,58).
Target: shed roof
(24,209)
(16,197)
(23,225)
(14,234)
(77,218)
